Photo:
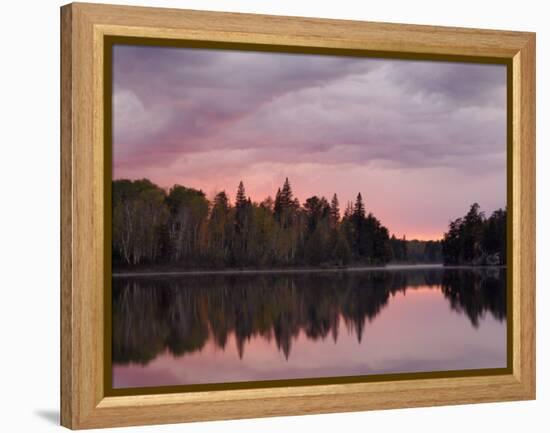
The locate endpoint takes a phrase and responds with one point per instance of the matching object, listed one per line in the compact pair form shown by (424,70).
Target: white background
(29,215)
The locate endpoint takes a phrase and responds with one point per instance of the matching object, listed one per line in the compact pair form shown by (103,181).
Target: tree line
(475,239)
(182,227)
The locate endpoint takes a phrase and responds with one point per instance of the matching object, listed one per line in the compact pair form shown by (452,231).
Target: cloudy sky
(420,140)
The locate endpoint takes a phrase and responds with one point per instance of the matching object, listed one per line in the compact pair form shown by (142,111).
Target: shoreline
(396,267)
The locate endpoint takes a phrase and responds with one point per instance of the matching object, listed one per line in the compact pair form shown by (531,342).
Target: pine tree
(473,233)
(241,196)
(360,240)
(334,212)
(359,208)
(286,195)
(243,222)
(285,205)
(278,206)
(240,205)
(287,192)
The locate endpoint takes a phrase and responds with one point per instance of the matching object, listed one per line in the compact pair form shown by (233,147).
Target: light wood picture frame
(87,32)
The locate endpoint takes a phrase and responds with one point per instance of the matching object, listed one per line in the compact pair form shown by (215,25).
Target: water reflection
(181,315)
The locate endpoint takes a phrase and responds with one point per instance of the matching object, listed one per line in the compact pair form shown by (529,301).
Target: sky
(421,140)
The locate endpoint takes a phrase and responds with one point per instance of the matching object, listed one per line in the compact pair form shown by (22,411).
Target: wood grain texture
(307,32)
(67,393)
(524,215)
(83,401)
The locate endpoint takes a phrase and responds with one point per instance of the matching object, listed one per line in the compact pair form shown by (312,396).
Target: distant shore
(390,267)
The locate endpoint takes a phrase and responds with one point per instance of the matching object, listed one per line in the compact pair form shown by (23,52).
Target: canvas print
(280,216)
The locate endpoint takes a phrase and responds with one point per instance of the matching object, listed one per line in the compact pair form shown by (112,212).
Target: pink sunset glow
(420,140)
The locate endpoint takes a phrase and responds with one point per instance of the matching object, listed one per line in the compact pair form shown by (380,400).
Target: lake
(231,327)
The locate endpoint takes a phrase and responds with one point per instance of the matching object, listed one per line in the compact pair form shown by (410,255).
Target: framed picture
(267,215)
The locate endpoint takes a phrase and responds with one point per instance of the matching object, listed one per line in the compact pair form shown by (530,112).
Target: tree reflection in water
(182,313)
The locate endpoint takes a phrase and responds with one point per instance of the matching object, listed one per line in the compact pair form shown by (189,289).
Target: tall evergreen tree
(243,222)
(473,232)
(359,208)
(241,208)
(286,195)
(334,212)
(278,205)
(359,243)
(285,205)
(240,200)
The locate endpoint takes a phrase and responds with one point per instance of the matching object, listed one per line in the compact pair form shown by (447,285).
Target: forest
(180,228)
(475,239)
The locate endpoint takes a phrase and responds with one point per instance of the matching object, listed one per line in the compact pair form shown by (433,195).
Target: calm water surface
(211,328)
